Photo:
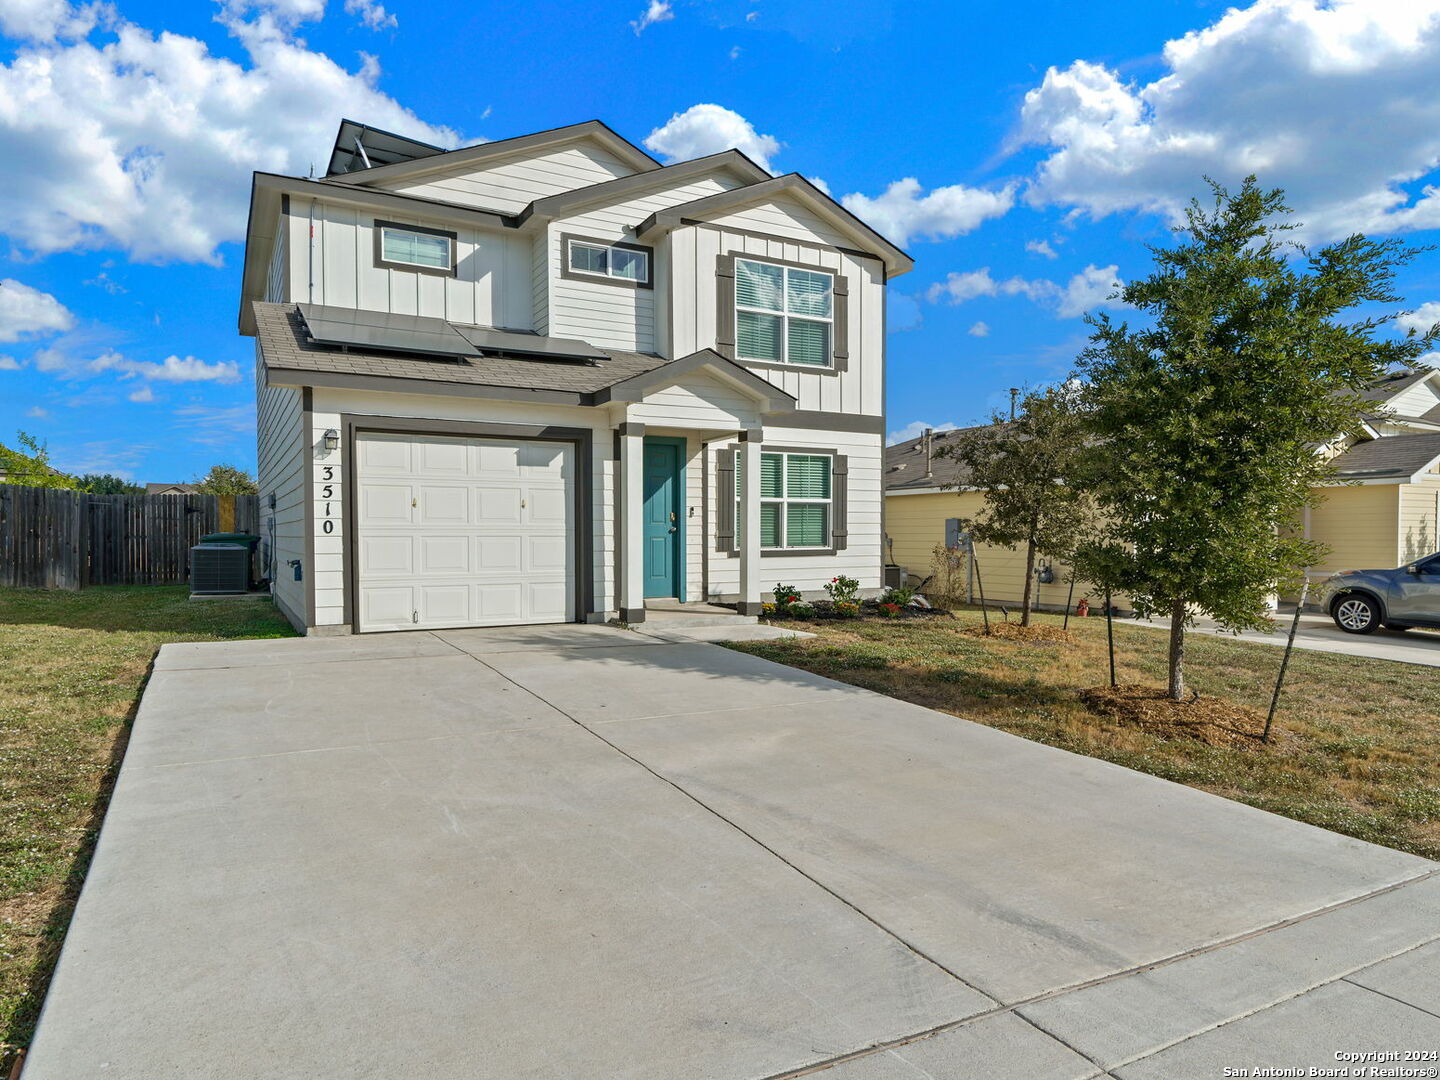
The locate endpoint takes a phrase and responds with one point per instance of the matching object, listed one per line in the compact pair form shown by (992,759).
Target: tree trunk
(1177,651)
(1028,598)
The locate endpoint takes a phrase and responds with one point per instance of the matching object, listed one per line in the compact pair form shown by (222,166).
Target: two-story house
(546,379)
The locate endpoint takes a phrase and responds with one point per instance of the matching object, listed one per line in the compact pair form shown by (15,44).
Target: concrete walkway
(1318,633)
(588,853)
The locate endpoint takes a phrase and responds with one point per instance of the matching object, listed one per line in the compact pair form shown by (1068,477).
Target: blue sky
(1024,153)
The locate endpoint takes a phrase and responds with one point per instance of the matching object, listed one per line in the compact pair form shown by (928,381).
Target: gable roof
(637,386)
(627,151)
(1387,386)
(896,260)
(1394,456)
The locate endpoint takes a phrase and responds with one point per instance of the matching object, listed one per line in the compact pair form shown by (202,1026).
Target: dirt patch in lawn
(1036,634)
(1211,720)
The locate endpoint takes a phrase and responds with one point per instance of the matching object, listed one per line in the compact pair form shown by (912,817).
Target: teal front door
(664,525)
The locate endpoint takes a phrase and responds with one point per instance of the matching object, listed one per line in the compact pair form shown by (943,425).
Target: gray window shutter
(842,323)
(725,306)
(840,501)
(952,532)
(725,501)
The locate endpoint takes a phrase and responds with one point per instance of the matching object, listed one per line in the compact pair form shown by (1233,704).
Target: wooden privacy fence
(56,539)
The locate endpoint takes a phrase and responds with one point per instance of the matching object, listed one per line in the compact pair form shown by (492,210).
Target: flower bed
(845,603)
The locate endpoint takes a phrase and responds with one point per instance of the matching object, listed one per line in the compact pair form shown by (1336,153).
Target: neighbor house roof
(1398,456)
(1386,387)
(291,357)
(906,469)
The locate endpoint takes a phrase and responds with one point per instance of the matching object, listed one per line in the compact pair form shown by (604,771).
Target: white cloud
(9,363)
(26,311)
(144,394)
(979,329)
(45,20)
(372,14)
(1041,247)
(218,426)
(708,129)
(146,142)
(1333,101)
(183,369)
(35,412)
(657,11)
(735,51)
(1421,319)
(914,430)
(902,211)
(1085,291)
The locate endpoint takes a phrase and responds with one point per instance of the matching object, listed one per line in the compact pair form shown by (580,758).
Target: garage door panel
(547,506)
(387,556)
(444,505)
(386,504)
(464,532)
(443,555)
(379,455)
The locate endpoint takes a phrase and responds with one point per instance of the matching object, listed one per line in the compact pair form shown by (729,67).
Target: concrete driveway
(1318,633)
(581,852)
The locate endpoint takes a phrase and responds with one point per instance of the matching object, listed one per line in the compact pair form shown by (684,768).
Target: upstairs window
(414,247)
(783,314)
(618,264)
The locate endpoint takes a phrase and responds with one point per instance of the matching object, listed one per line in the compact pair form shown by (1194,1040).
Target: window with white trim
(609,261)
(435,251)
(783,314)
(796,499)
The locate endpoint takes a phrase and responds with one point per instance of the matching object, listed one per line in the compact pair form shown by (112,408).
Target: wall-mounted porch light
(332,439)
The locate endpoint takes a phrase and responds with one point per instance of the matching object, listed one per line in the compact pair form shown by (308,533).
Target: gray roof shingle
(905,464)
(284,345)
(1394,455)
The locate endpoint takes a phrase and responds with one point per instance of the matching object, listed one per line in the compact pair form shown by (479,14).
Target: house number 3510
(327,493)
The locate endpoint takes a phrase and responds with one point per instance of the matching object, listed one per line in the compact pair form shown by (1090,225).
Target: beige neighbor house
(548,379)
(1382,511)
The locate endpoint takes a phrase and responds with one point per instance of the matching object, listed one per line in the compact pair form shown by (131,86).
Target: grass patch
(72,666)
(1358,747)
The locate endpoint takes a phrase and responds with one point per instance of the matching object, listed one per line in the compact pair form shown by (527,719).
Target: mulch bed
(1213,721)
(869,609)
(1038,634)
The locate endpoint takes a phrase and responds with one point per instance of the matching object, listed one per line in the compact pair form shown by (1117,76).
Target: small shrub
(785,595)
(842,590)
(889,611)
(802,610)
(900,597)
(767,609)
(846,609)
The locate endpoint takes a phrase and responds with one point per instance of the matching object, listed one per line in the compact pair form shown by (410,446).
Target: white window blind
(415,248)
(783,315)
(795,499)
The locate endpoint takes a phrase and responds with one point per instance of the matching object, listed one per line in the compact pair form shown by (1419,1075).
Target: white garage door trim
(461,530)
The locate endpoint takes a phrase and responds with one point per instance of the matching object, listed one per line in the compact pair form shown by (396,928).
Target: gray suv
(1362,601)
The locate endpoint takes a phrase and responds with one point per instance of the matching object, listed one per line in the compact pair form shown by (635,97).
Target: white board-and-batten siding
(857,390)
(280,475)
(332,261)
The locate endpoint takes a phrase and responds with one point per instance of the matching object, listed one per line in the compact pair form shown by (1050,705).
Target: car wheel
(1357,615)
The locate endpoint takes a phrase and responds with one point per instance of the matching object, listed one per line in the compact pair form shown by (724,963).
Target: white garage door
(463,532)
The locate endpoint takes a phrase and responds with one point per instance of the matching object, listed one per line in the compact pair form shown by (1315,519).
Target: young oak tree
(1211,415)
(226,480)
(1029,469)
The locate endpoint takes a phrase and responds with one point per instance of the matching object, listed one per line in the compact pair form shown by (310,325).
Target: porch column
(748,540)
(630,589)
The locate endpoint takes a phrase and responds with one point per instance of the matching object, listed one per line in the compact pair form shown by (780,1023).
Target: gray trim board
(630,427)
(818,420)
(381,263)
(569,274)
(749,607)
(307,447)
(388,384)
(632,615)
(354,424)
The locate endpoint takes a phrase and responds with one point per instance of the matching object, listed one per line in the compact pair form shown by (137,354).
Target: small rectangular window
(795,499)
(418,249)
(783,314)
(414,247)
(620,263)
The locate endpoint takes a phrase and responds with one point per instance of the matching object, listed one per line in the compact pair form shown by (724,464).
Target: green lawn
(72,666)
(1359,746)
